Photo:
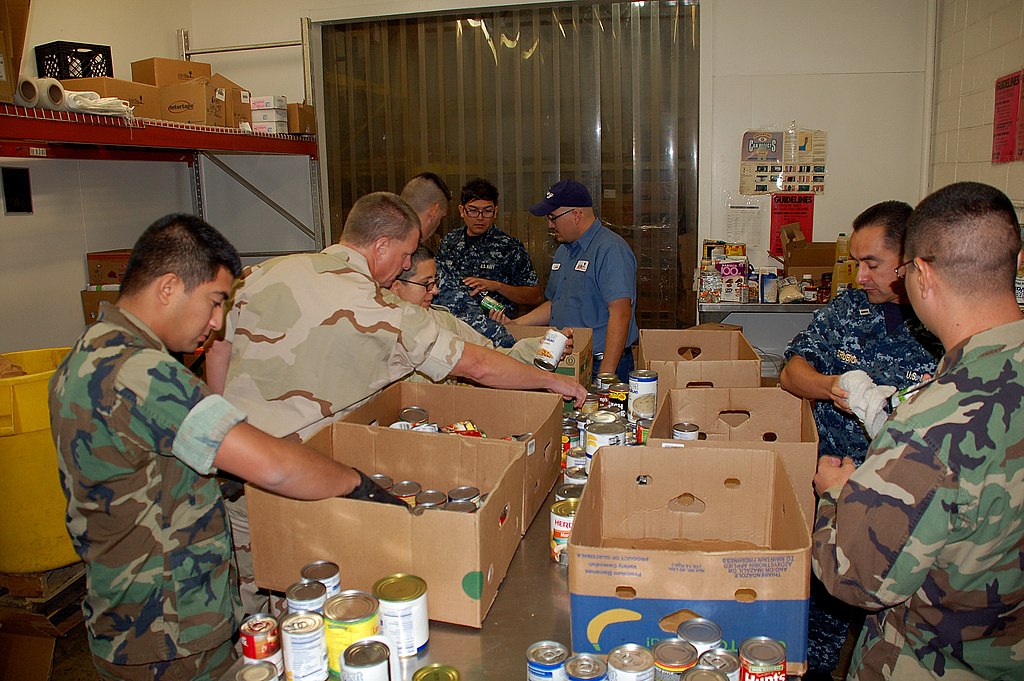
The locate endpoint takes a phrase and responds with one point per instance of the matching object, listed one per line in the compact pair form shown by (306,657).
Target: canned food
(702,633)
(602,435)
(576,475)
(630,662)
(762,659)
(414,415)
(348,617)
(261,642)
(437,672)
(489,304)
(306,596)
(431,497)
(605,379)
(703,674)
(570,439)
(602,398)
(549,352)
(585,667)
(618,397)
(257,671)
(406,490)
(722,659)
(672,657)
(403,612)
(384,481)
(545,661)
(563,513)
(459,506)
(576,456)
(464,493)
(401,425)
(366,661)
(685,431)
(643,394)
(605,416)
(643,430)
(426,428)
(304,643)
(565,491)
(590,404)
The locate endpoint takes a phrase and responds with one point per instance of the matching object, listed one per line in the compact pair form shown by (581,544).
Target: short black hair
(479,189)
(892,215)
(180,244)
(970,233)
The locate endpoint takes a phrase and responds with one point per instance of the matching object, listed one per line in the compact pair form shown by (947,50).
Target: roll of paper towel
(27,93)
(51,94)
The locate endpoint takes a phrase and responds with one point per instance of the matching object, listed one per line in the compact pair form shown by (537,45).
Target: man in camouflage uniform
(479,259)
(428,195)
(928,531)
(139,437)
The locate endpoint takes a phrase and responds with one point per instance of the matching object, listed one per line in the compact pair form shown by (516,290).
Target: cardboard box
(160,72)
(687,358)
(271,128)
(805,257)
(301,119)
(91,300)
(715,326)
(662,536)
(25,657)
(769,419)
(493,412)
(107,267)
(13,29)
(144,98)
(269,102)
(8,80)
(269,115)
(195,101)
(237,110)
(463,557)
(580,362)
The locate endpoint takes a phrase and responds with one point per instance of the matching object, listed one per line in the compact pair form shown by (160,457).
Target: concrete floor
(71,658)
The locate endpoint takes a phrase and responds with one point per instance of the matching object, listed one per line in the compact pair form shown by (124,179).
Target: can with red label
(762,659)
(563,513)
(261,641)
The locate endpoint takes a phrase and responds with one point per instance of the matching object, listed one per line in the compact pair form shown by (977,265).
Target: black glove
(371,491)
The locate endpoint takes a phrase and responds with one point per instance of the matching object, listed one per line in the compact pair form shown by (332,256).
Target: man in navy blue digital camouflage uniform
(872,329)
(479,259)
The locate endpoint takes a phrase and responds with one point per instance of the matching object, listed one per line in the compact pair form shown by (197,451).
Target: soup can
(618,397)
(563,513)
(672,657)
(464,493)
(304,643)
(762,659)
(366,660)
(685,431)
(643,394)
(605,380)
(325,572)
(406,490)
(565,491)
(437,672)
(577,475)
(488,303)
(602,435)
(306,596)
(261,641)
(702,633)
(630,662)
(642,430)
(431,497)
(403,612)
(699,673)
(722,659)
(383,480)
(348,617)
(459,506)
(585,667)
(549,352)
(257,671)
(590,404)
(577,456)
(414,415)
(545,661)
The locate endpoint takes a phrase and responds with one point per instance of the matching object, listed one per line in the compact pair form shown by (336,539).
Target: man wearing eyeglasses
(479,259)
(928,532)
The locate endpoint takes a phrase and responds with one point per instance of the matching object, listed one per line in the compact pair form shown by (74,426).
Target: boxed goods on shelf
(92,297)
(271,128)
(237,110)
(194,101)
(107,267)
(143,98)
(301,119)
(159,71)
(62,59)
(269,102)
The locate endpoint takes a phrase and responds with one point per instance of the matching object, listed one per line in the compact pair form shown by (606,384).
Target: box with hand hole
(664,535)
(703,358)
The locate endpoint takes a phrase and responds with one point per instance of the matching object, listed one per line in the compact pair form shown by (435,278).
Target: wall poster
(788,161)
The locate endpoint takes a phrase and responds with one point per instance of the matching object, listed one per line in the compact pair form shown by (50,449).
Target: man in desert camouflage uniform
(928,532)
(139,437)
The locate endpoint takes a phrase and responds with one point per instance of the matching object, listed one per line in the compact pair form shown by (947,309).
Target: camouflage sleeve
(524,350)
(424,343)
(874,545)
(203,431)
(813,342)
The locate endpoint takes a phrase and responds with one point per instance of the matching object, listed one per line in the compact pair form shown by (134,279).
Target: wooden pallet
(47,603)
(39,584)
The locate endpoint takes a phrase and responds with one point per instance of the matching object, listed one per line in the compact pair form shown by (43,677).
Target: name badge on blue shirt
(865,312)
(555,266)
(582,265)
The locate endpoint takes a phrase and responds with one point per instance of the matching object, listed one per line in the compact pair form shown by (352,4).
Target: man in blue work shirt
(873,329)
(480,260)
(593,278)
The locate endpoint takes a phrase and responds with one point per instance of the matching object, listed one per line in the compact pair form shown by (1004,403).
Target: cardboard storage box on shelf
(463,557)
(271,127)
(301,119)
(805,257)
(269,115)
(145,99)
(8,80)
(662,536)
(107,267)
(160,71)
(770,419)
(13,29)
(237,110)
(699,358)
(579,363)
(497,413)
(91,299)
(195,101)
(269,102)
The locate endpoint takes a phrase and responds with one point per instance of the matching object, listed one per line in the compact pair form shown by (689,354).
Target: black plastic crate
(62,59)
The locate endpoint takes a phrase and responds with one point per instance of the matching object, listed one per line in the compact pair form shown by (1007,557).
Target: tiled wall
(978,41)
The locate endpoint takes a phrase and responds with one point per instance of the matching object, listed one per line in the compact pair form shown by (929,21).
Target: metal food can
(261,642)
(576,475)
(306,596)
(702,633)
(565,491)
(722,659)
(464,493)
(545,661)
(590,404)
(366,661)
(630,662)
(348,617)
(576,456)
(672,657)
(403,612)
(618,397)
(304,642)
(585,667)
(643,394)
(406,490)
(570,439)
(383,480)
(459,506)
(602,435)
(605,416)
(325,572)
(685,431)
(602,398)
(257,671)
(703,674)
(762,659)
(549,352)
(605,379)
(563,513)
(489,304)
(414,415)
(643,430)
(431,497)
(437,672)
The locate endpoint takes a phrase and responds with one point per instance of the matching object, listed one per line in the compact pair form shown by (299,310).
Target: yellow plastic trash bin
(33,536)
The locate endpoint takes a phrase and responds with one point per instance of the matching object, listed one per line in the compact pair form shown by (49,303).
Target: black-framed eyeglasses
(431,284)
(901,269)
(474,212)
(552,218)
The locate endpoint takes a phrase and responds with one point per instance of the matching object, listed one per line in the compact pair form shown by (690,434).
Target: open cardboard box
(687,358)
(769,419)
(497,413)
(579,363)
(665,535)
(463,557)
(805,257)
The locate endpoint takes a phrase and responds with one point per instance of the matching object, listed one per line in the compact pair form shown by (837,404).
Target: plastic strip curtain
(605,94)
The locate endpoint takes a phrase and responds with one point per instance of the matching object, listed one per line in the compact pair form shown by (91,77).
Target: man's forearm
(521,295)
(539,316)
(615,334)
(803,380)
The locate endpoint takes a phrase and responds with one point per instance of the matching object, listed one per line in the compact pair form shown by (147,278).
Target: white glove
(867,401)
